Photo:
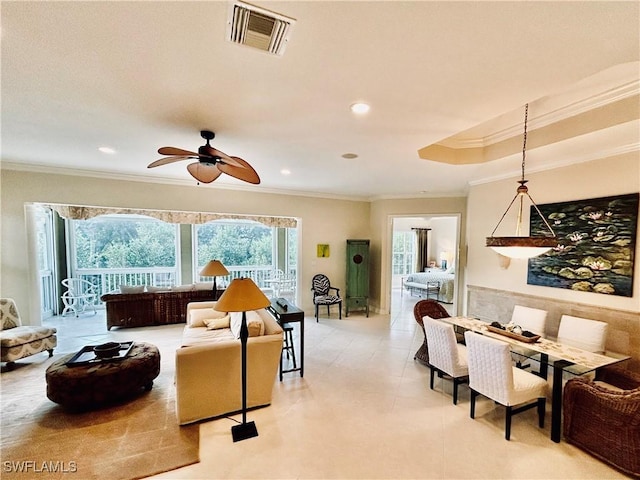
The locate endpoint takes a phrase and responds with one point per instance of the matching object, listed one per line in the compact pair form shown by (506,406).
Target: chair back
(320,284)
(78,286)
(532,319)
(9,314)
(443,348)
(490,369)
(589,335)
(429,308)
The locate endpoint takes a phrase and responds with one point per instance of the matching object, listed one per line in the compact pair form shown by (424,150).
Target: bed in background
(417,283)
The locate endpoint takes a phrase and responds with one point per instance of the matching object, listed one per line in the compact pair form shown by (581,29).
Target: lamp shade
(242,295)
(214,268)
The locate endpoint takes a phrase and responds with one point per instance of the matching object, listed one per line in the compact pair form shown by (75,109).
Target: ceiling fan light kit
(520,246)
(211,162)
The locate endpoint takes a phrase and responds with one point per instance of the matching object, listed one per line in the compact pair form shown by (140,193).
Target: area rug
(132,440)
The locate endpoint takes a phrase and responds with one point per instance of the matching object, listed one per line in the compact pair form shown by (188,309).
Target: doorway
(439,260)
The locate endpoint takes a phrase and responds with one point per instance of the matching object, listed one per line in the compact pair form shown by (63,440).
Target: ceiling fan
(211,162)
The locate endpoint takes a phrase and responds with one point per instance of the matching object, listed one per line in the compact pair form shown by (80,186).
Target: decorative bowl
(107,350)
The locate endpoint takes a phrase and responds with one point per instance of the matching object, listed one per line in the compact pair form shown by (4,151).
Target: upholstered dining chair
(531,319)
(321,288)
(429,308)
(446,356)
(589,335)
(19,341)
(491,374)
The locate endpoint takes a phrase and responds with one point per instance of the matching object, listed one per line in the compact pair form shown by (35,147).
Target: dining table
(562,358)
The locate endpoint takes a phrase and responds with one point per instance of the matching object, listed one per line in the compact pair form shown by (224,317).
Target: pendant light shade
(520,246)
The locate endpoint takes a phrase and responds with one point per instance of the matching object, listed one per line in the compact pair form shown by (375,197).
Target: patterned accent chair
(321,288)
(19,341)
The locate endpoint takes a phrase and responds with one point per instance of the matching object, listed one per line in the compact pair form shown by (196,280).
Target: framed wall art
(596,245)
(323,250)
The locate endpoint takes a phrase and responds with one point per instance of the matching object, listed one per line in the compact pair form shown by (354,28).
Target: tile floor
(364,410)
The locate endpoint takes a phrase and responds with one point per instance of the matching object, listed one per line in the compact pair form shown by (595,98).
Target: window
(404,256)
(114,250)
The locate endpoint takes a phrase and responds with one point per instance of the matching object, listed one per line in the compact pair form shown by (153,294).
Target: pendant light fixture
(520,246)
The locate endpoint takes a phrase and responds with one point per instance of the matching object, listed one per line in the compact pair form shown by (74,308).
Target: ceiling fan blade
(203,172)
(224,158)
(174,151)
(245,173)
(166,160)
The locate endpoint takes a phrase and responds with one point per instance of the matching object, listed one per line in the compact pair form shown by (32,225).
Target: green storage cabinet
(357,297)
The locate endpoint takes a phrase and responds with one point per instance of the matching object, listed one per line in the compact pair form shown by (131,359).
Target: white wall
(487,202)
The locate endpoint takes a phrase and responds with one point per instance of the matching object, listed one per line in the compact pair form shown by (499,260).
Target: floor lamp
(243,295)
(214,268)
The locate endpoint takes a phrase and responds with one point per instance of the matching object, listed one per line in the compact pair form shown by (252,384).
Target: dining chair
(491,374)
(589,335)
(531,319)
(433,309)
(446,356)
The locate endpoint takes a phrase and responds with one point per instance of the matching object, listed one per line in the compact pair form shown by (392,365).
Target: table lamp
(243,295)
(213,269)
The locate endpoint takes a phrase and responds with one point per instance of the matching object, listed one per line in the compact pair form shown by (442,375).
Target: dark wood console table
(285,312)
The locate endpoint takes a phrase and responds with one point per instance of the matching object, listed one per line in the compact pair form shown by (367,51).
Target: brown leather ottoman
(92,386)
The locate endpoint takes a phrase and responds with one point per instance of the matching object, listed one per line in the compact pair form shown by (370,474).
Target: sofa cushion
(24,334)
(217,323)
(198,316)
(152,289)
(200,335)
(131,288)
(255,325)
(182,288)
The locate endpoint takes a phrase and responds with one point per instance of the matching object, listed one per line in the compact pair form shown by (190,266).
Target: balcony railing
(109,280)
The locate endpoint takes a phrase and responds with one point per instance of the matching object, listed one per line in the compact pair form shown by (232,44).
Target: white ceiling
(136,76)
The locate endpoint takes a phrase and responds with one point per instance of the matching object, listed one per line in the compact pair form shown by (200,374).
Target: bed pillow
(451,271)
(197,316)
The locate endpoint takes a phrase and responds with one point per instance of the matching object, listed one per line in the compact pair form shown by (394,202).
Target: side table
(285,312)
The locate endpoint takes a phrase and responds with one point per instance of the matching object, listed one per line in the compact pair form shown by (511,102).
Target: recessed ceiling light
(285,171)
(360,108)
(350,155)
(107,150)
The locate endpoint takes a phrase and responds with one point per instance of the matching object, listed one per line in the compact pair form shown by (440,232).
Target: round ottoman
(86,387)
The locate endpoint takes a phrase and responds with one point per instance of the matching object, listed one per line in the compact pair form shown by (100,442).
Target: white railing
(109,280)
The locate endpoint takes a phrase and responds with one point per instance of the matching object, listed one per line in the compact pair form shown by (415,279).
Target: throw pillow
(152,289)
(131,288)
(203,286)
(182,288)
(197,316)
(255,325)
(217,323)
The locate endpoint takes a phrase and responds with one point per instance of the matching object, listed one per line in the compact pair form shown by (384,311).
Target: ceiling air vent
(258,28)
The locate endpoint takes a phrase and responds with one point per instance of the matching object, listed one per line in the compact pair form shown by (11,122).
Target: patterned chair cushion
(327,299)
(18,341)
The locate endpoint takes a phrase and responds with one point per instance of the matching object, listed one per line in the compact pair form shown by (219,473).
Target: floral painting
(596,245)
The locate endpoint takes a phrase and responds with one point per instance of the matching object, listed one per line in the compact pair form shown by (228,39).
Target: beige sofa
(208,375)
